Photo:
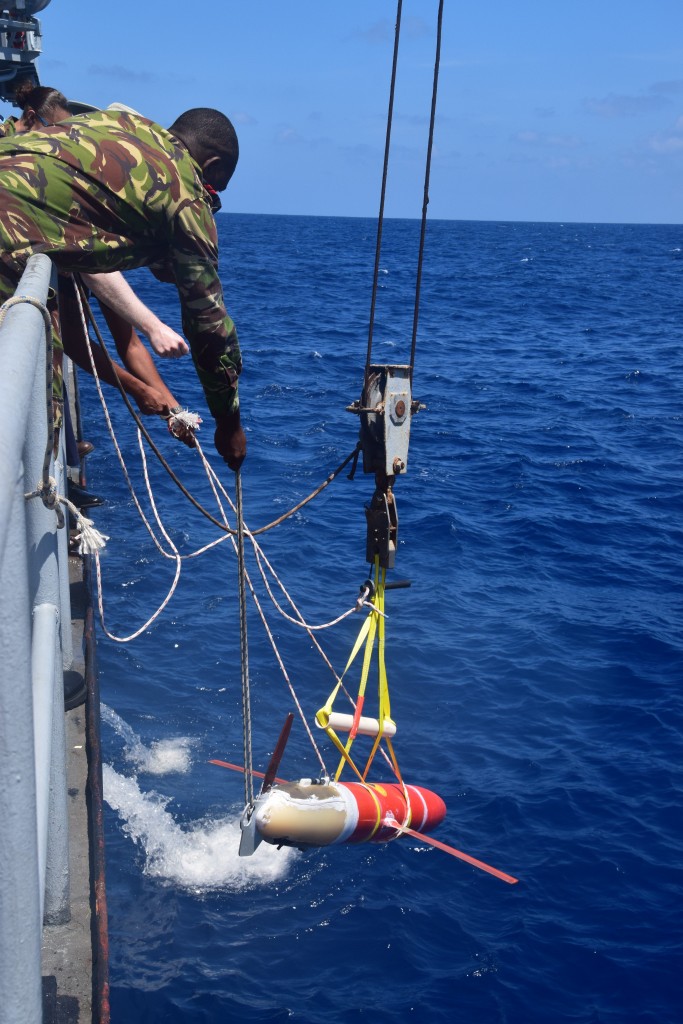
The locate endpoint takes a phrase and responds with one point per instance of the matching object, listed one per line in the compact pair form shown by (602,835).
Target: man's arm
(142,383)
(207,326)
(149,401)
(134,354)
(137,359)
(115,292)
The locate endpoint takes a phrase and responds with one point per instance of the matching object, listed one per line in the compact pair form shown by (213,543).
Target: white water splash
(160,758)
(200,856)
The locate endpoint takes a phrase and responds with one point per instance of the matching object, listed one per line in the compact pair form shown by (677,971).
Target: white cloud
(668,142)
(546,140)
(614,105)
(242,117)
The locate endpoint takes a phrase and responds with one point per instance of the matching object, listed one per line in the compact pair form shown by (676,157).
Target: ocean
(534,663)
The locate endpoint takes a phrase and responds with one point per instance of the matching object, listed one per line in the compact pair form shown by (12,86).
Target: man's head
(212,141)
(40,105)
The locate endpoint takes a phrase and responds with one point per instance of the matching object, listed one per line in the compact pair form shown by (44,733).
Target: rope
(48,490)
(425,200)
(217,485)
(90,540)
(300,622)
(284,670)
(385,169)
(261,557)
(190,419)
(83,301)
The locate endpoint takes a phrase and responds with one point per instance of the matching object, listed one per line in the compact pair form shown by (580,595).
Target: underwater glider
(313,813)
(324,812)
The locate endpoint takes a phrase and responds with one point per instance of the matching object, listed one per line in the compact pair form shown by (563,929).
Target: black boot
(81,498)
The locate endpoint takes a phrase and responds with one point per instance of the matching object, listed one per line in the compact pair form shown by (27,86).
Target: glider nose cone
(435,809)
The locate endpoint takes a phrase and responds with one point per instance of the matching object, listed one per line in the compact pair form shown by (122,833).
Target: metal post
(28,576)
(45,588)
(44,649)
(20,921)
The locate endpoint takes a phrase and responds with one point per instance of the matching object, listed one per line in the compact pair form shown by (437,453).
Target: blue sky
(547,111)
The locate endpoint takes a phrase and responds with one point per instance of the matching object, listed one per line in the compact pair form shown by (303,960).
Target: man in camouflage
(111,190)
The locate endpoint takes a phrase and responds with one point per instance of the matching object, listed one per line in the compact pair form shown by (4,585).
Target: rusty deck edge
(95,804)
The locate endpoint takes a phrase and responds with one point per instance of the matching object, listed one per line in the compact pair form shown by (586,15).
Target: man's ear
(29,118)
(209,162)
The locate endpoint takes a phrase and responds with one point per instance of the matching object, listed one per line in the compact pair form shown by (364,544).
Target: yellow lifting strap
(373,628)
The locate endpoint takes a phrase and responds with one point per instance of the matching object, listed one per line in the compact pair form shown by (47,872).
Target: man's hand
(166,342)
(149,401)
(230,439)
(117,295)
(183,431)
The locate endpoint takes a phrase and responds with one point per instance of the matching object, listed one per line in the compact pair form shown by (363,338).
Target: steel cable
(425,199)
(244,650)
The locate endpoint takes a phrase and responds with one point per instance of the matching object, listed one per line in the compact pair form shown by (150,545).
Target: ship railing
(35,648)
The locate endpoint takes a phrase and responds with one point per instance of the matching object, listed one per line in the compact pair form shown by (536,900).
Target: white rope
(192,421)
(98,566)
(185,418)
(300,622)
(216,484)
(90,539)
(258,551)
(269,634)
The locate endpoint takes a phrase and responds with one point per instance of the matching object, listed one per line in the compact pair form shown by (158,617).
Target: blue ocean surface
(534,664)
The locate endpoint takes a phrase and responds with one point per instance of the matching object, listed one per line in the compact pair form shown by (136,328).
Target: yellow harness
(372,630)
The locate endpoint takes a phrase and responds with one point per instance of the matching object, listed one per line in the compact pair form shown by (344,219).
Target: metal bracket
(385,410)
(20,44)
(250,838)
(382,519)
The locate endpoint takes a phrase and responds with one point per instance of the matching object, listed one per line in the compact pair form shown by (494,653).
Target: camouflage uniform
(110,190)
(8,127)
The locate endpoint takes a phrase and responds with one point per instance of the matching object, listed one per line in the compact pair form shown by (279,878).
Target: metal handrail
(35,642)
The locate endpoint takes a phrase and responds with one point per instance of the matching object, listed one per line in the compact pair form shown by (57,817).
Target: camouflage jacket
(111,191)
(8,127)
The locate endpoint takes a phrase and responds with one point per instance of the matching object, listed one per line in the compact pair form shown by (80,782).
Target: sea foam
(198,856)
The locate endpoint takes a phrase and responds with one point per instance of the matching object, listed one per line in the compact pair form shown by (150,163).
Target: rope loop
(90,539)
(50,497)
(32,301)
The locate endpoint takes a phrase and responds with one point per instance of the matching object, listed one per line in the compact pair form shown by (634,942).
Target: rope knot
(48,493)
(183,424)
